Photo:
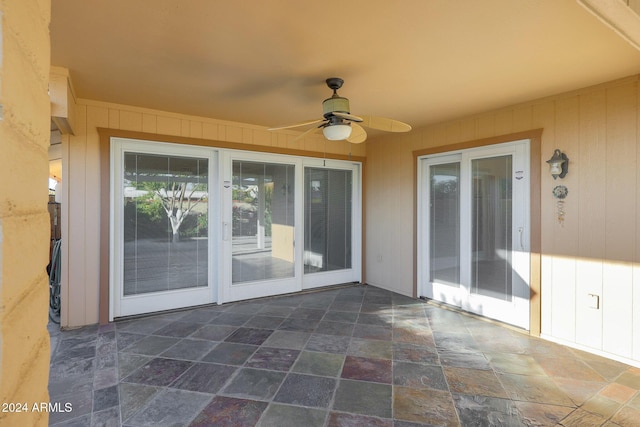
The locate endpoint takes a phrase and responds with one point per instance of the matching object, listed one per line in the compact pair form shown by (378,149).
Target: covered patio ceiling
(265,62)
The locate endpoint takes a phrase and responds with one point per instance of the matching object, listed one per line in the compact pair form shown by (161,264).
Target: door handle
(225,231)
(521,232)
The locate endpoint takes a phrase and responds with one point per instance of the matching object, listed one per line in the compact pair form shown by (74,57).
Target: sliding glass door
(195,225)
(261,226)
(162,215)
(289,224)
(473,213)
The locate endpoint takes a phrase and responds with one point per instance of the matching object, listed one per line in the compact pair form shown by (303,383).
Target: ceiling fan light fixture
(337,132)
(338,123)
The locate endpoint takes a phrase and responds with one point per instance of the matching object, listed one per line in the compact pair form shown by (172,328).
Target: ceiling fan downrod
(335,83)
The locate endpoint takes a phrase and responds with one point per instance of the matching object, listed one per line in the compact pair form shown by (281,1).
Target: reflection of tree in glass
(151,208)
(177,199)
(245,203)
(245,209)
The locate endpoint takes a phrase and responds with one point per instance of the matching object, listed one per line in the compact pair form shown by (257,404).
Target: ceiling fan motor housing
(335,104)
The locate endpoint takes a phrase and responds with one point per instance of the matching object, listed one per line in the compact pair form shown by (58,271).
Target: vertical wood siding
(595,251)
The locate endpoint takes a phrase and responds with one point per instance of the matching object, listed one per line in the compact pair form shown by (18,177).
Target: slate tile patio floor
(350,356)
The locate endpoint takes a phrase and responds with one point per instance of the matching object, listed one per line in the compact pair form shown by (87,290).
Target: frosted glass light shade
(337,132)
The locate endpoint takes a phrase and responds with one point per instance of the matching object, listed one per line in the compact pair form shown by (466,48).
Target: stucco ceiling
(264,62)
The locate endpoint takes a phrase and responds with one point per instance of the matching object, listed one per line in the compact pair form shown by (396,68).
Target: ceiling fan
(338,123)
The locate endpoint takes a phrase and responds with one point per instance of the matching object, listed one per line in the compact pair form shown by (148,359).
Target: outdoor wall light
(558,164)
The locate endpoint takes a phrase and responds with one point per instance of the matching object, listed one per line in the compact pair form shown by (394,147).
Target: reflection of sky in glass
(444,178)
(249,180)
(147,174)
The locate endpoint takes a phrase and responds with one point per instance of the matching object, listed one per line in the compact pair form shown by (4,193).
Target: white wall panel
(589,303)
(563,292)
(617,308)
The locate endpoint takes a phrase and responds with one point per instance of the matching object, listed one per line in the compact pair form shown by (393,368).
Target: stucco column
(24,220)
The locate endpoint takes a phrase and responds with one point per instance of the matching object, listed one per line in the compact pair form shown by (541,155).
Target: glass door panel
(261,224)
(165,223)
(332,223)
(440,204)
(327,216)
(444,224)
(263,221)
(491,227)
(496,273)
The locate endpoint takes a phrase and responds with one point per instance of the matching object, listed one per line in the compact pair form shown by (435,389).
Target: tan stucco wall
(81,183)
(598,248)
(24,220)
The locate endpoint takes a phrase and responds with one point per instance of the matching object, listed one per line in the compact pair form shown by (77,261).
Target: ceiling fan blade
(383,123)
(346,116)
(295,125)
(358,134)
(305,133)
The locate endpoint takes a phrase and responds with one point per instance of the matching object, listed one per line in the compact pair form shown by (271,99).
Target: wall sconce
(558,164)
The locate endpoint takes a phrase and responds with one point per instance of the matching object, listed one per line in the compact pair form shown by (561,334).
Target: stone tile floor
(351,356)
